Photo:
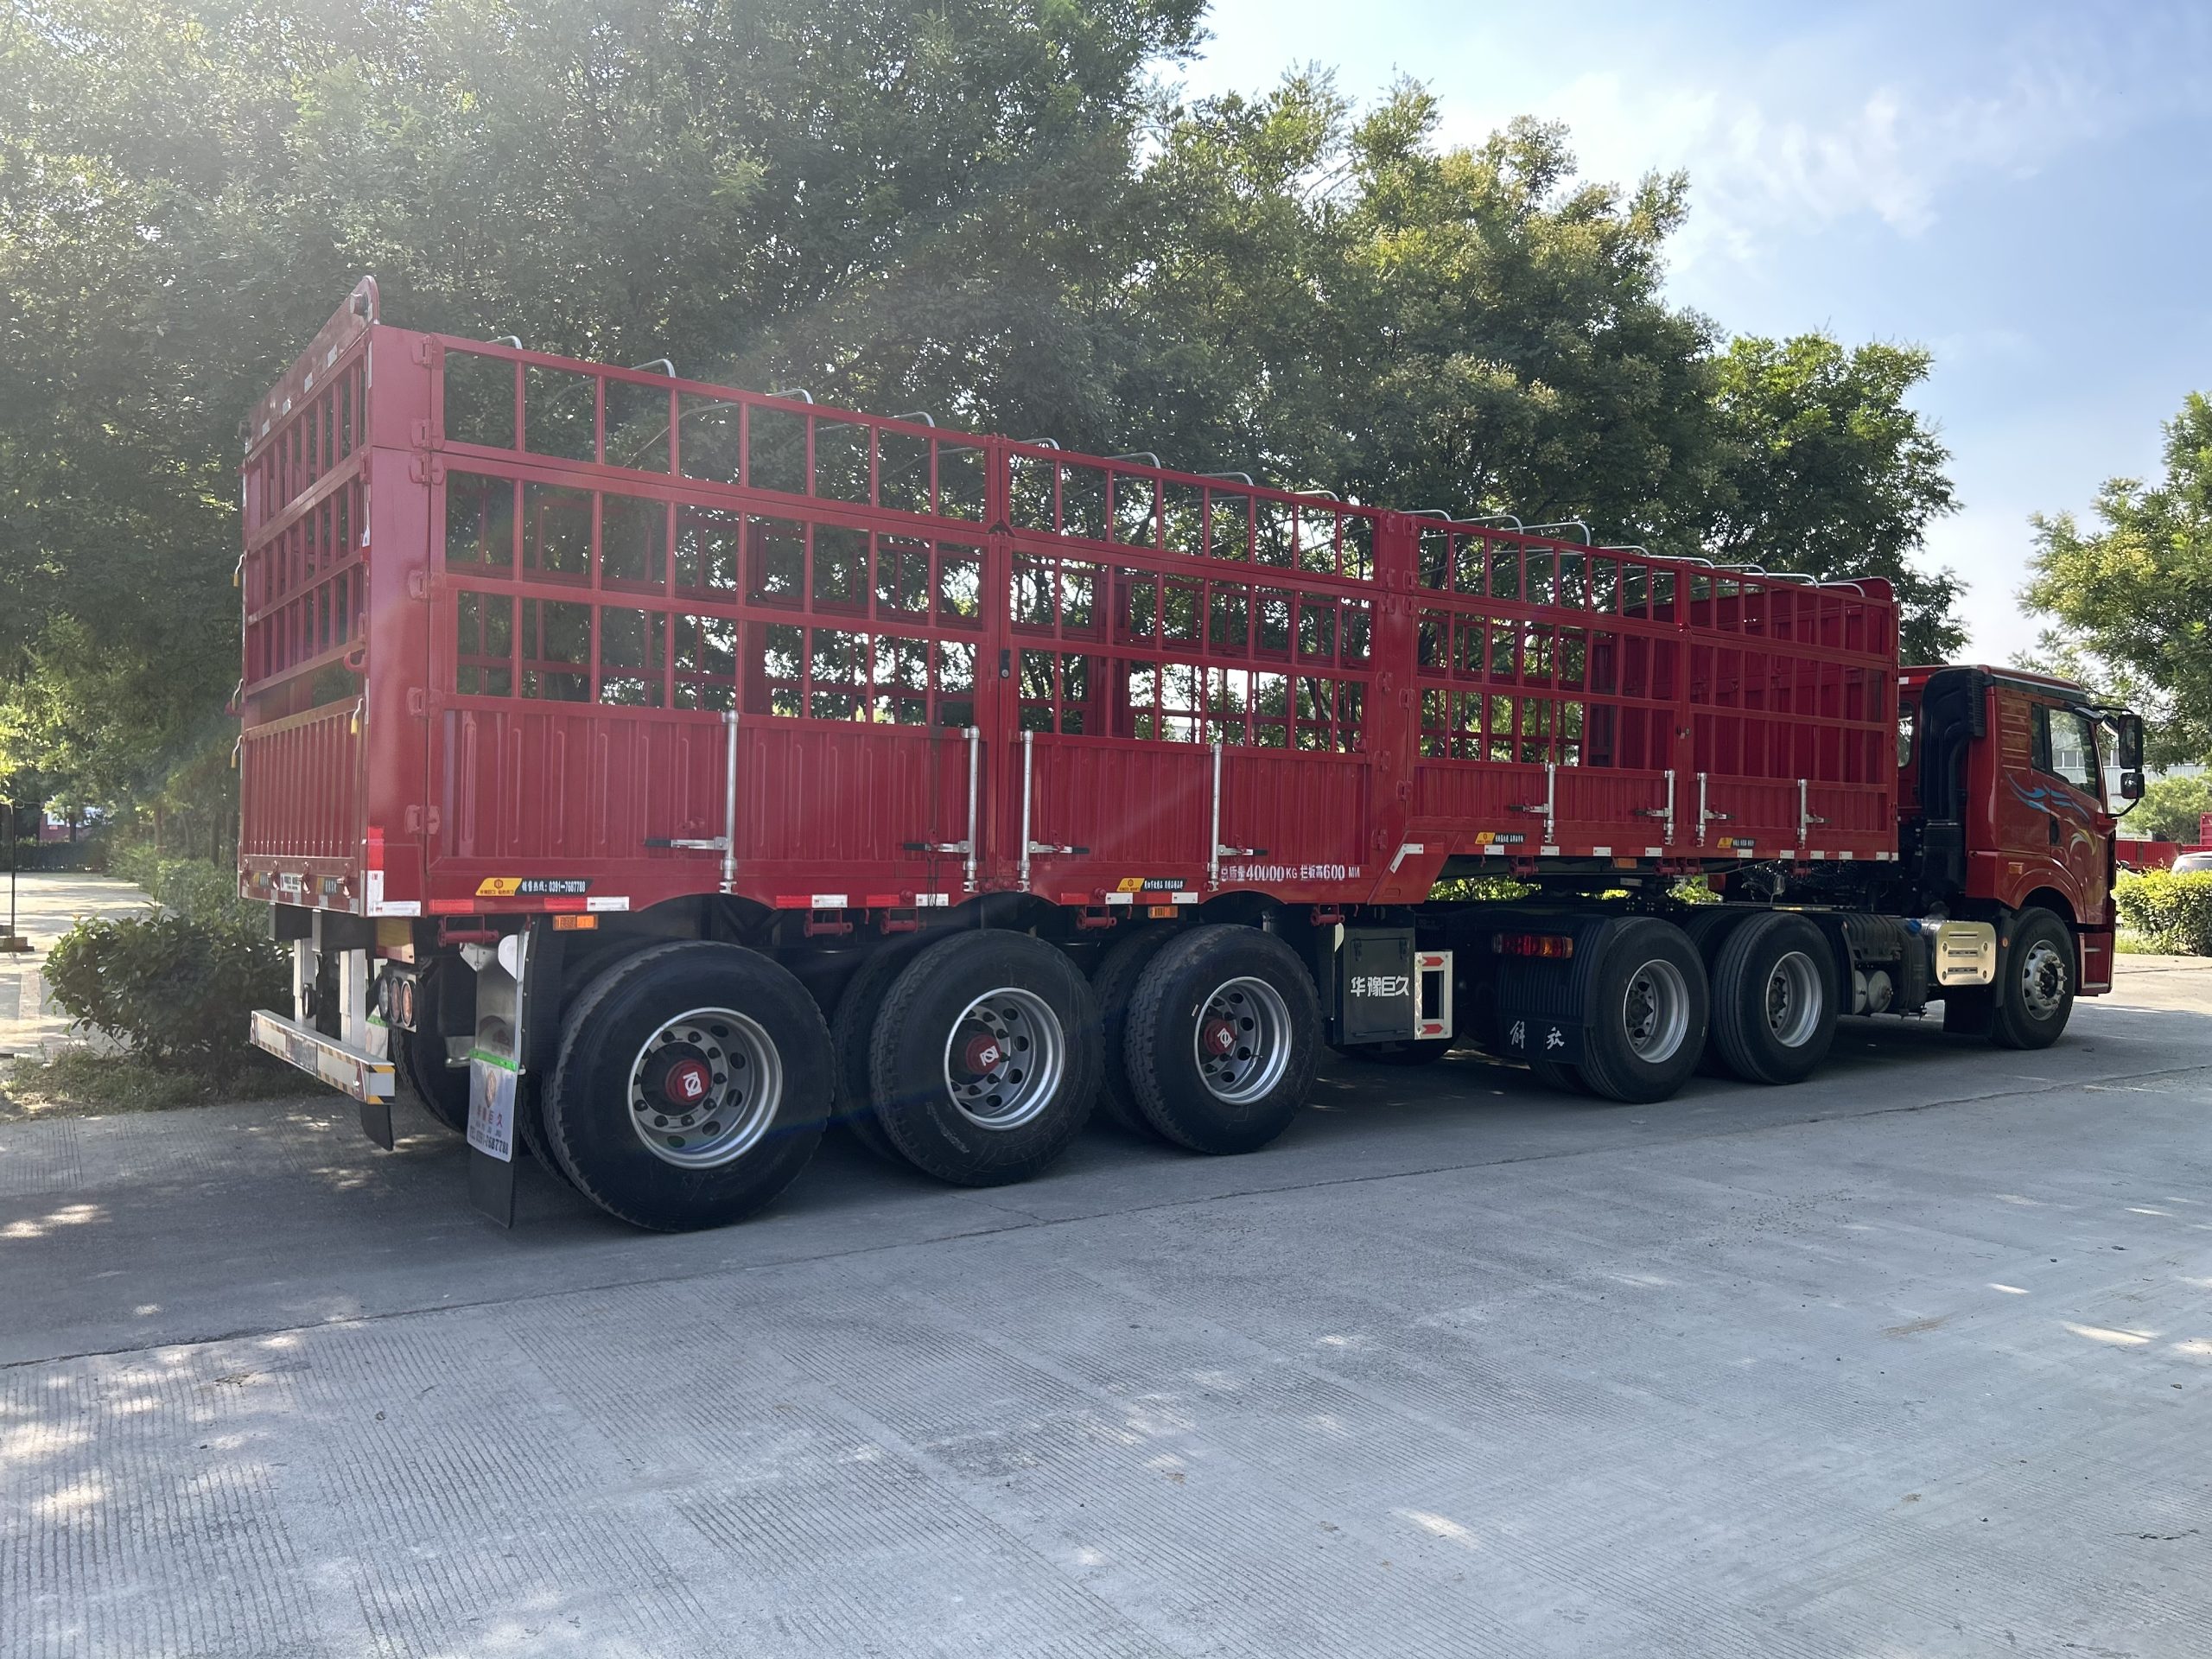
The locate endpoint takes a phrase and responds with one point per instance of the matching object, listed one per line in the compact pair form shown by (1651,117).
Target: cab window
(2066,746)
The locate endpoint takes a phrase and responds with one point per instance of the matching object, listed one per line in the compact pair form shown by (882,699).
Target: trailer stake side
(654,774)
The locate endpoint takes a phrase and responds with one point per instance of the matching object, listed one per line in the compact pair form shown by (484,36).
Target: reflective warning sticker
(532,886)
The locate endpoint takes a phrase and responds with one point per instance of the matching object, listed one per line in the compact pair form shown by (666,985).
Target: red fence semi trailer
(655,773)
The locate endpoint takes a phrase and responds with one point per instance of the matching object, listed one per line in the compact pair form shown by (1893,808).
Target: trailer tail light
(1556,947)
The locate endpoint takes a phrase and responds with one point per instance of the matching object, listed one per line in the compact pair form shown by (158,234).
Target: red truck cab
(2001,798)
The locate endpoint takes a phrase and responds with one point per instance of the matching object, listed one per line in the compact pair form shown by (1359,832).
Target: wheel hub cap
(1004,1060)
(1243,1040)
(705,1088)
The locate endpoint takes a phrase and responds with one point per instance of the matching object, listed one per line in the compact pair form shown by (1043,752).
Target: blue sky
(2025,188)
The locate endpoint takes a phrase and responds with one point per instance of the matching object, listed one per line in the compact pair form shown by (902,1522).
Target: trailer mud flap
(503,1010)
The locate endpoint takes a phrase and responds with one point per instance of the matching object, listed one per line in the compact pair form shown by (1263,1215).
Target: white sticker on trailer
(1183,898)
(931,900)
(492,1108)
(1121,898)
(612,901)
(827,900)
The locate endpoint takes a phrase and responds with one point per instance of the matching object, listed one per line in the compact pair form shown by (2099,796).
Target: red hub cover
(687,1082)
(1218,1038)
(982,1054)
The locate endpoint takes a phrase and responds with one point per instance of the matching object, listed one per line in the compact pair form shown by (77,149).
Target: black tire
(530,1122)
(1556,1074)
(419,1057)
(1189,992)
(1414,1051)
(850,1029)
(2037,980)
(1775,999)
(1646,977)
(1112,983)
(998,998)
(598,1136)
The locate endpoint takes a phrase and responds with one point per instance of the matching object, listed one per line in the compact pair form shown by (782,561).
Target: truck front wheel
(984,1061)
(2034,987)
(693,1083)
(1221,1039)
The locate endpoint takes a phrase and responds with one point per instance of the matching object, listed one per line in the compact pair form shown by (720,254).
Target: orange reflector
(1160,913)
(569,922)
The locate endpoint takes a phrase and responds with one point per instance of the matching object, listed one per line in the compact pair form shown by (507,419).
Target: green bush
(179,989)
(2172,913)
(191,886)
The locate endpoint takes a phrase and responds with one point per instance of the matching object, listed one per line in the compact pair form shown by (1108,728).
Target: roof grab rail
(1331,494)
(660,363)
(1040,444)
(921,415)
(1140,454)
(1624,547)
(1507,518)
(1245,478)
(1561,524)
(1445,514)
(514,340)
(799,392)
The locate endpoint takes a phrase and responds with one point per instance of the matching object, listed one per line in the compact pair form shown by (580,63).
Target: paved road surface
(1913,1360)
(46,905)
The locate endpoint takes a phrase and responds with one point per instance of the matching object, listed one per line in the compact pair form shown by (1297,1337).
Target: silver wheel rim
(705,1088)
(1656,1011)
(1243,1040)
(1004,1058)
(2043,980)
(1794,994)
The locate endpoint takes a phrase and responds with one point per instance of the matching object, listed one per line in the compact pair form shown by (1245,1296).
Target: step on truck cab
(652,775)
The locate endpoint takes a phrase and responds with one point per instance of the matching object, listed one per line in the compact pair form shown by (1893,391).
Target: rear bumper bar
(362,1076)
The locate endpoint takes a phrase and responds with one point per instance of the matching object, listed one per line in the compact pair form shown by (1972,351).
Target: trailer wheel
(693,1083)
(419,1056)
(1414,1051)
(2034,987)
(1774,999)
(984,1061)
(1221,1041)
(442,1089)
(851,1028)
(530,1122)
(1116,977)
(1644,1011)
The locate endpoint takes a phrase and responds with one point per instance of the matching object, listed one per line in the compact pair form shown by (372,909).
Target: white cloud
(1860,123)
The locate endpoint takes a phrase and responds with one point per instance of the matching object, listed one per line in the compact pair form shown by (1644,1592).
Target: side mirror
(2130,785)
(2131,748)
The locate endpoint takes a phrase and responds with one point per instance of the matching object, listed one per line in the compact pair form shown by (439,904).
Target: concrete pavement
(1913,1359)
(48,904)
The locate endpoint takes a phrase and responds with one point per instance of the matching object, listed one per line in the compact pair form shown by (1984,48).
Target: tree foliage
(2131,601)
(2172,809)
(992,209)
(1825,470)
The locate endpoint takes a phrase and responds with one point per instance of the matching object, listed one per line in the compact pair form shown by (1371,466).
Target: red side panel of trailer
(500,605)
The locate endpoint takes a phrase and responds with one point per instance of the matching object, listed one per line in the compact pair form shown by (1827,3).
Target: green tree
(895,205)
(1330,298)
(2172,809)
(2131,601)
(1823,468)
